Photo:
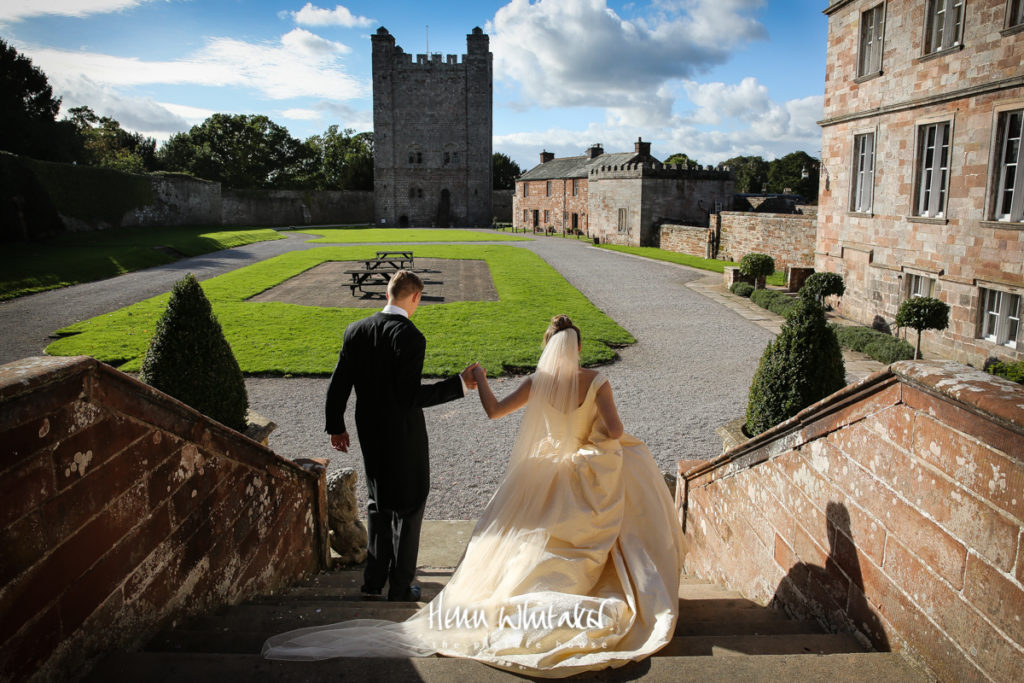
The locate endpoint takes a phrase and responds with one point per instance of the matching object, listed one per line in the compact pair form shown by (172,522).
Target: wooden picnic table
(393,259)
(378,271)
(369,276)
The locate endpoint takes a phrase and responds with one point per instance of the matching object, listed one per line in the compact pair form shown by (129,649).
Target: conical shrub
(801,366)
(190,359)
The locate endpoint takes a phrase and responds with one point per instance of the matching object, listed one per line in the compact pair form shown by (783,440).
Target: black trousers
(393,543)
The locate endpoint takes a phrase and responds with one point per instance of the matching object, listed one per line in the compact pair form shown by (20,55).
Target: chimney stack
(546,156)
(642,148)
(595,151)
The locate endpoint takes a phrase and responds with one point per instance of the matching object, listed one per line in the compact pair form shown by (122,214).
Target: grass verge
(279,338)
(367,235)
(778,278)
(74,258)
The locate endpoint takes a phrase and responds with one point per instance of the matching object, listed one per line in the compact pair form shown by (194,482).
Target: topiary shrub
(741,288)
(190,359)
(801,366)
(922,313)
(1013,371)
(820,285)
(757,266)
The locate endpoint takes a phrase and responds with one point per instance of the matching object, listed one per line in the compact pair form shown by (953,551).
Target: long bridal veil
(574,564)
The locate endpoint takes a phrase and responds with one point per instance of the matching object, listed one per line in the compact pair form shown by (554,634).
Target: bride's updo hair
(559,323)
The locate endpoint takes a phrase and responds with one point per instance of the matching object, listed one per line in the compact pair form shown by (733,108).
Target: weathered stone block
(348,535)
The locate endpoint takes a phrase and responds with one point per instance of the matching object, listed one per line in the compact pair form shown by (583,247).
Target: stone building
(432,135)
(921,192)
(620,198)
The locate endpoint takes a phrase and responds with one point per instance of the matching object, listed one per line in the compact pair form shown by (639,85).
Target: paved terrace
(698,347)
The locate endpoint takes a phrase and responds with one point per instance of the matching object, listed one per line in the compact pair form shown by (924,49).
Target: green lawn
(281,338)
(778,278)
(73,258)
(368,235)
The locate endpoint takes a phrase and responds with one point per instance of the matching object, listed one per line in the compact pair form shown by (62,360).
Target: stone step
(156,667)
(251,642)
(276,615)
(345,585)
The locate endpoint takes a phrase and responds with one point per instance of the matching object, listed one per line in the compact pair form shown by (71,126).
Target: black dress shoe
(411,595)
(366,590)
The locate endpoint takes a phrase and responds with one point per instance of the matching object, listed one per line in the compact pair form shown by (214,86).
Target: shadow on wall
(834,592)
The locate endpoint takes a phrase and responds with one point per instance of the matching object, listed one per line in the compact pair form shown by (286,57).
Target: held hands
(340,442)
(470,376)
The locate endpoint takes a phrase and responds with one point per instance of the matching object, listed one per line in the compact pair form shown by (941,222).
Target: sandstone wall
(558,207)
(124,509)
(685,239)
(892,508)
(787,238)
(964,249)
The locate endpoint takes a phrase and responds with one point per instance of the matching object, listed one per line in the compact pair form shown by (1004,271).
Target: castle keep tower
(432,135)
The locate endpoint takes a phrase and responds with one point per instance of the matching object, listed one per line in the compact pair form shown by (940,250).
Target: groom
(382,357)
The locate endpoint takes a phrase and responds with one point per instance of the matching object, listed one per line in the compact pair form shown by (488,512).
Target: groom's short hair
(403,283)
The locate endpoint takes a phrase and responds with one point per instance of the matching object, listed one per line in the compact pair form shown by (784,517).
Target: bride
(575,562)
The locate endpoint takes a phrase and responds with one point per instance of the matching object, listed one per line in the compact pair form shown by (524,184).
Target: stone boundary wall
(178,200)
(787,238)
(685,239)
(892,509)
(124,509)
(295,207)
(501,205)
(50,197)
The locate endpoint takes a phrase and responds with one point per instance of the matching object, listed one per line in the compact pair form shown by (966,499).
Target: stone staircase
(720,636)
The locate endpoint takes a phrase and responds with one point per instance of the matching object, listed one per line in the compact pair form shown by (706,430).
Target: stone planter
(732,433)
(258,428)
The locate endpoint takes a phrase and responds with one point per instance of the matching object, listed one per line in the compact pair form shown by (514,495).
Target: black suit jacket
(382,358)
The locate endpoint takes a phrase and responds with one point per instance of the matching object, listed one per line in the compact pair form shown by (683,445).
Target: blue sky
(711,78)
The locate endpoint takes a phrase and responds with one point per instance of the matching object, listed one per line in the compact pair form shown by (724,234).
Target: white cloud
(131,112)
(16,10)
(300,65)
(746,101)
(749,123)
(310,15)
(312,44)
(302,114)
(582,53)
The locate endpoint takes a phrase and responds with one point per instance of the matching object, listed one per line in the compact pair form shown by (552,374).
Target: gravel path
(688,373)
(26,323)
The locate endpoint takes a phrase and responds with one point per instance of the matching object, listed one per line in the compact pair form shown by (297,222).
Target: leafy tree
(823,284)
(341,160)
(28,111)
(189,358)
(801,366)
(680,158)
(757,266)
(504,171)
(922,313)
(105,143)
(749,174)
(787,172)
(239,150)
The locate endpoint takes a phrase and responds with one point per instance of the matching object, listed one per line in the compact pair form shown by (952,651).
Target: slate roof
(576,167)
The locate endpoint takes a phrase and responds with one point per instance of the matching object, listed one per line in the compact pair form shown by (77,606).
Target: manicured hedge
(878,345)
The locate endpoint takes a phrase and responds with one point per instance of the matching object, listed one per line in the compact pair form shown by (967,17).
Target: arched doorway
(444,209)
(403,221)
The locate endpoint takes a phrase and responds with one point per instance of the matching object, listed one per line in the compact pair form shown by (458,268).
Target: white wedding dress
(573,566)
